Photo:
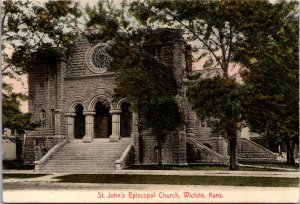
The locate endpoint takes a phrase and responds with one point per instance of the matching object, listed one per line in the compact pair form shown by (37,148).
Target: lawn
(22,176)
(180,180)
(196,167)
(275,165)
(16,164)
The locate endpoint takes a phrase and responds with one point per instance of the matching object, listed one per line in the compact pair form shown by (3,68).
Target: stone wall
(46,97)
(192,123)
(83,89)
(9,148)
(204,135)
(37,143)
(42,89)
(76,64)
(81,83)
(217,144)
(173,149)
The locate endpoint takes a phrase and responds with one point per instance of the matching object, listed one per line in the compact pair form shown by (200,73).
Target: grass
(16,164)
(275,165)
(180,180)
(195,167)
(22,176)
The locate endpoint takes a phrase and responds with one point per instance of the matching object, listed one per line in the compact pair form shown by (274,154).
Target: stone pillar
(115,133)
(89,126)
(182,149)
(57,120)
(70,125)
(135,138)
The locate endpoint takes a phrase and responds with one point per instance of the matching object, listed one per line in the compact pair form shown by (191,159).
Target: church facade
(73,100)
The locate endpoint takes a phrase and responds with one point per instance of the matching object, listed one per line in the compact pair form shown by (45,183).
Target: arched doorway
(79,123)
(125,120)
(102,121)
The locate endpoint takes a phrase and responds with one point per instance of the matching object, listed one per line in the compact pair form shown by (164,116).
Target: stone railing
(125,159)
(40,163)
(207,155)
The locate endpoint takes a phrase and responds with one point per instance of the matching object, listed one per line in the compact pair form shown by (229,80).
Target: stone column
(70,125)
(57,120)
(182,149)
(115,133)
(89,126)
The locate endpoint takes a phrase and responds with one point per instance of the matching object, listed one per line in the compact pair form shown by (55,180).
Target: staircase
(250,151)
(78,157)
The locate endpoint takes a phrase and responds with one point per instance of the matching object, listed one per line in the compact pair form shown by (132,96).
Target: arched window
(52,118)
(43,118)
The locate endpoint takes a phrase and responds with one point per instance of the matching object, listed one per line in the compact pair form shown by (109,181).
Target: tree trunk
(233,152)
(290,147)
(159,154)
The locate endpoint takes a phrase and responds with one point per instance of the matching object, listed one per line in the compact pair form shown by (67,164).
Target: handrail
(38,164)
(121,163)
(221,158)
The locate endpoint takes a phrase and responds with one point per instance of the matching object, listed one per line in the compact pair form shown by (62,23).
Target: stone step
(90,153)
(79,165)
(84,151)
(92,147)
(79,162)
(77,171)
(73,168)
(85,156)
(72,157)
(82,160)
(77,156)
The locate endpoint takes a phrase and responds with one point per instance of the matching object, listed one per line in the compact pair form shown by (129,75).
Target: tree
(106,22)
(12,117)
(272,77)
(220,98)
(213,27)
(219,29)
(27,27)
(150,87)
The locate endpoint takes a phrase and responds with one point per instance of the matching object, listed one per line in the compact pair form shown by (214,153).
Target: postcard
(150,101)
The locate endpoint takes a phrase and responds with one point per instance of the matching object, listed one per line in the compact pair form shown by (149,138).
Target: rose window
(100,57)
(97,58)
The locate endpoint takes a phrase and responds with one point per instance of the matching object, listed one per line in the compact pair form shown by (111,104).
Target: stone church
(84,129)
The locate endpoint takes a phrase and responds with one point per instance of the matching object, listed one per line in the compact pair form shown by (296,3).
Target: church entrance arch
(102,121)
(79,122)
(125,120)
